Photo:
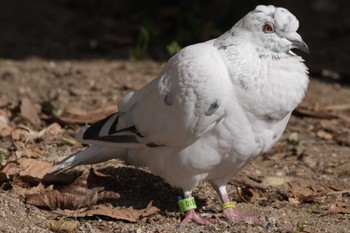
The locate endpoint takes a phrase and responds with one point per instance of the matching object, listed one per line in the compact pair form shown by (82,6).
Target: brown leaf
(33,170)
(300,193)
(324,135)
(343,139)
(51,133)
(25,191)
(51,200)
(24,137)
(29,112)
(340,207)
(25,134)
(343,170)
(5,129)
(338,107)
(3,177)
(79,116)
(127,214)
(11,169)
(275,180)
(248,194)
(322,114)
(88,189)
(63,226)
(304,111)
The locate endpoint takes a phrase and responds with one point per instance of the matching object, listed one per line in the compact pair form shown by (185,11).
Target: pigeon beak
(300,44)
(297,42)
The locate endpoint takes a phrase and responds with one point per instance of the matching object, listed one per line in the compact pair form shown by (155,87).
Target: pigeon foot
(233,216)
(191,216)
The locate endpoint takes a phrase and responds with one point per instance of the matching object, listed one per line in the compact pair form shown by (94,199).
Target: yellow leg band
(228,205)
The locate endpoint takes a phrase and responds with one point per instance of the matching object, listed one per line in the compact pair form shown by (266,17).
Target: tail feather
(110,132)
(110,138)
(91,155)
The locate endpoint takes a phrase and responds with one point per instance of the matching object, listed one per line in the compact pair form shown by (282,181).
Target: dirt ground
(65,63)
(302,185)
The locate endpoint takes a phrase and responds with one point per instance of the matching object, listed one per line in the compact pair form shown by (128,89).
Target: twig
(338,107)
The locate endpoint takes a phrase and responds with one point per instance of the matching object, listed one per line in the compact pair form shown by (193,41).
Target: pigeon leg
(192,216)
(232,215)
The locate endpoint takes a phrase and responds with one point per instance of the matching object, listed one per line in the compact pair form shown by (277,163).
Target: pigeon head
(273,29)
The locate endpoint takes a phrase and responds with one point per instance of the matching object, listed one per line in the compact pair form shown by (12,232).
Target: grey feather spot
(263,56)
(243,84)
(268,117)
(277,116)
(168,100)
(275,57)
(212,108)
(284,27)
(274,136)
(223,47)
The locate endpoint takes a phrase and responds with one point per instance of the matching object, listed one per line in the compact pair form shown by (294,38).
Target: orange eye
(267,28)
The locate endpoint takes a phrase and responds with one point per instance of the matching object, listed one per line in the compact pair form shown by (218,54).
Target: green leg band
(187,204)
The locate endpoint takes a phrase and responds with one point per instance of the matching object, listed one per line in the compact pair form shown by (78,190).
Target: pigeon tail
(109,132)
(91,155)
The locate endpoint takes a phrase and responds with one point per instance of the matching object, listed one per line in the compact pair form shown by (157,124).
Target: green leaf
(69,141)
(173,48)
(294,138)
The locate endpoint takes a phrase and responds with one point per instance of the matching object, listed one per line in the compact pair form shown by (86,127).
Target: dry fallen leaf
(18,188)
(23,173)
(25,134)
(79,116)
(275,180)
(322,114)
(5,129)
(3,177)
(340,207)
(338,107)
(248,194)
(29,112)
(127,214)
(324,135)
(343,170)
(51,133)
(33,170)
(63,226)
(11,169)
(298,193)
(343,139)
(24,138)
(88,189)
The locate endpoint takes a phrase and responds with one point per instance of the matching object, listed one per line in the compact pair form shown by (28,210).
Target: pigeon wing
(185,102)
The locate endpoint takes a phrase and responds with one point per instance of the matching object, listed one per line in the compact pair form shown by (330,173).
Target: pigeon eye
(267,28)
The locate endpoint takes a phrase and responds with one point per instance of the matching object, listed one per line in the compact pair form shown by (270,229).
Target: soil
(302,185)
(321,166)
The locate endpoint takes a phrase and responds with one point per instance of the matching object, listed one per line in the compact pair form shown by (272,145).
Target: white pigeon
(215,106)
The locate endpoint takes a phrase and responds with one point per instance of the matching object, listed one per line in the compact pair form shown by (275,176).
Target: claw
(233,216)
(191,216)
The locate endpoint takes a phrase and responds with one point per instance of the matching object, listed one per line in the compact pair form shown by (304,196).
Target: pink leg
(191,216)
(232,215)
